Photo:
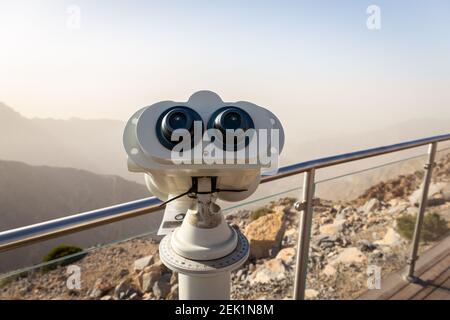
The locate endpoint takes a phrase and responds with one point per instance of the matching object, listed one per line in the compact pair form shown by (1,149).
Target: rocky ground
(346,238)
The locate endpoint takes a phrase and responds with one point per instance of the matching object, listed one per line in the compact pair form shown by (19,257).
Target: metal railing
(54,228)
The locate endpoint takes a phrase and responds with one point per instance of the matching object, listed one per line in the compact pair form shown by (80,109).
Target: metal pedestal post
(204,250)
(216,287)
(204,279)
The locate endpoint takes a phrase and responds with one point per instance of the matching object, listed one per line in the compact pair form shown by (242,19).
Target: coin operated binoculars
(194,153)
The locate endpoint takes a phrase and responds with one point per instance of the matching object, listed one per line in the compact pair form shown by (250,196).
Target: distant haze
(96,145)
(313,63)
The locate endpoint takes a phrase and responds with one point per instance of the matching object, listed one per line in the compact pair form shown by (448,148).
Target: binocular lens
(174,119)
(178,120)
(232,118)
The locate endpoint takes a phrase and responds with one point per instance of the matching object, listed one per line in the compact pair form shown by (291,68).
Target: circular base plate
(204,267)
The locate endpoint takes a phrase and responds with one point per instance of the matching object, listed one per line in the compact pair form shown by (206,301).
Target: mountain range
(96,145)
(33,194)
(93,145)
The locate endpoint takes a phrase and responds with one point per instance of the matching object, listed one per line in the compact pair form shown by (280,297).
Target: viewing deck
(433,278)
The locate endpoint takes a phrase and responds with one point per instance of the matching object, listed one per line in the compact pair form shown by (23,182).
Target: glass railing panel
(270,224)
(107,272)
(357,241)
(98,236)
(108,265)
(436,221)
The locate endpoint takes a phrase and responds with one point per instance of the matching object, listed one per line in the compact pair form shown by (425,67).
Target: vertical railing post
(420,216)
(304,234)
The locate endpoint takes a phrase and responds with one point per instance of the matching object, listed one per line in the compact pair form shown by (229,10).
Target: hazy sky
(307,61)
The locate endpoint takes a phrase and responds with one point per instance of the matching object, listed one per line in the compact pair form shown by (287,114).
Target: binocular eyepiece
(182,117)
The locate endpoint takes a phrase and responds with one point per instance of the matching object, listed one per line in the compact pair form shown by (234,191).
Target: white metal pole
(204,288)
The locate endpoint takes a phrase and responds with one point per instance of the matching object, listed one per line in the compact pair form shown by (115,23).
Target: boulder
(397,208)
(141,263)
(148,296)
(122,288)
(125,289)
(437,200)
(311,294)
(436,188)
(437,193)
(291,232)
(321,238)
(148,280)
(446,192)
(333,228)
(286,255)
(134,296)
(412,211)
(156,267)
(391,239)
(347,211)
(174,278)
(290,237)
(370,206)
(325,220)
(173,294)
(161,289)
(367,246)
(350,255)
(273,269)
(329,271)
(265,234)
(124,273)
(324,241)
(101,287)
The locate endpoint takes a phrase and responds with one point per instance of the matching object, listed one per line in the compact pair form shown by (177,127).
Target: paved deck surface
(432,272)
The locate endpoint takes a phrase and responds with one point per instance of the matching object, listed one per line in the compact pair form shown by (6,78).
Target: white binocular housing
(171,142)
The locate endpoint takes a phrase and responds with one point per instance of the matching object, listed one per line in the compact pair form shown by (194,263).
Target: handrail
(351,156)
(19,237)
(22,236)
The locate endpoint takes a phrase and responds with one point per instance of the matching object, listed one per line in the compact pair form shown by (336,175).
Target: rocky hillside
(347,238)
(32,194)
